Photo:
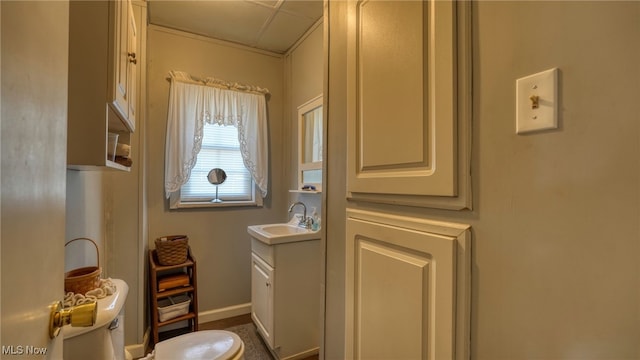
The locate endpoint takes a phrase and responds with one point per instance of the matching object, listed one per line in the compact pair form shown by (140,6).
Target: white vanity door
(262,284)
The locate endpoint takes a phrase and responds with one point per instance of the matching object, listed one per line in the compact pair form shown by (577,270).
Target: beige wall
(335,188)
(304,74)
(556,216)
(218,237)
(109,208)
(556,264)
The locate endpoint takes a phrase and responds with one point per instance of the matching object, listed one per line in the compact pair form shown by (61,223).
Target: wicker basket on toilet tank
(84,279)
(172,249)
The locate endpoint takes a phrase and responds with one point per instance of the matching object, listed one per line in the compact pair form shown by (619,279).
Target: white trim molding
(224,313)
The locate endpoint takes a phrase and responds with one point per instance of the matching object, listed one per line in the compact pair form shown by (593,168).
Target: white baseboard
(139,350)
(302,355)
(223,313)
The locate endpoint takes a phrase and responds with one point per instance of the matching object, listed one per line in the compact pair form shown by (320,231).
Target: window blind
(220,149)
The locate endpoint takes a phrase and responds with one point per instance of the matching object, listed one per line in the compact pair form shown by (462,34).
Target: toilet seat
(201,345)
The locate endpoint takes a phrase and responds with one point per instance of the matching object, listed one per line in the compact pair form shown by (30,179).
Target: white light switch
(537,102)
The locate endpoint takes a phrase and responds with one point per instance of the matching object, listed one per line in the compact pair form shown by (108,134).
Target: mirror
(216,177)
(310,145)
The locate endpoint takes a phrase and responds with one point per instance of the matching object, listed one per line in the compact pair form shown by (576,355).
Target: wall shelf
(305,191)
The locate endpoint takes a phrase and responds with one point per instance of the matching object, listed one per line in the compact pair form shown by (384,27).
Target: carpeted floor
(254,347)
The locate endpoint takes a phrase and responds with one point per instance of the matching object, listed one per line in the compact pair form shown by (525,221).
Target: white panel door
(392,286)
(33,142)
(402,90)
(408,103)
(407,283)
(407,66)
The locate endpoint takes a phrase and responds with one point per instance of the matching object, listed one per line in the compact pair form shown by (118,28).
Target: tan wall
(305,80)
(556,265)
(336,186)
(218,237)
(108,207)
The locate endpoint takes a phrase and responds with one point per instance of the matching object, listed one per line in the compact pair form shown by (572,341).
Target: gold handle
(77,316)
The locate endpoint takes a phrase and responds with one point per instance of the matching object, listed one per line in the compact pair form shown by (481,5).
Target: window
(192,105)
(220,149)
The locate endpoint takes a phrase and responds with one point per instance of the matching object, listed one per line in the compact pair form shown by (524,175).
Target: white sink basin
(272,234)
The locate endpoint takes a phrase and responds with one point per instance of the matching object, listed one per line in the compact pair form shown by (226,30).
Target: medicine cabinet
(310,145)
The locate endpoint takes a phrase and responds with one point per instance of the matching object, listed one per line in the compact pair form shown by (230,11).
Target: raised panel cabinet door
(402,98)
(125,59)
(262,297)
(133,58)
(407,286)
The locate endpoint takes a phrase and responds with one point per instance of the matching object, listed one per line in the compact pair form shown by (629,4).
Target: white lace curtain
(192,102)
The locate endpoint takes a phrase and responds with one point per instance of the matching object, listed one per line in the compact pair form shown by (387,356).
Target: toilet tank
(105,339)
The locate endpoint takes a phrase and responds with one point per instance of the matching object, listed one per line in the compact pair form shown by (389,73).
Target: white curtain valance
(192,103)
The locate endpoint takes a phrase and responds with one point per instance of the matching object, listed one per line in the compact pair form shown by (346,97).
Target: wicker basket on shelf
(172,249)
(83,279)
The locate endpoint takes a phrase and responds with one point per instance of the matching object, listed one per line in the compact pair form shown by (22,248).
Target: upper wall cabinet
(103,62)
(409,103)
(126,50)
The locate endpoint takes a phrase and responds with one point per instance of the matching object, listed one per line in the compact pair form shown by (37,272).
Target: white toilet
(201,345)
(105,339)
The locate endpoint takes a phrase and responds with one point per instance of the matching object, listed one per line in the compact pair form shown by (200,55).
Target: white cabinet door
(407,118)
(121,56)
(125,53)
(408,282)
(132,64)
(408,121)
(262,289)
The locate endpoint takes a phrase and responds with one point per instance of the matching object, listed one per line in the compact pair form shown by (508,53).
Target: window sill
(208,204)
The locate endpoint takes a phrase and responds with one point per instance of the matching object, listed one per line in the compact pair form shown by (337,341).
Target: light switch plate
(537,102)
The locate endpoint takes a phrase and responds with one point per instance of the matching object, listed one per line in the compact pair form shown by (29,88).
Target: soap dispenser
(315,226)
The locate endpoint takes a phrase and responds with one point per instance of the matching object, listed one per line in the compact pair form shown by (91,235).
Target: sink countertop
(282,233)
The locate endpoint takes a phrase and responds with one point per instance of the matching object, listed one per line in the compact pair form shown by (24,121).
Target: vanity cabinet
(103,77)
(285,296)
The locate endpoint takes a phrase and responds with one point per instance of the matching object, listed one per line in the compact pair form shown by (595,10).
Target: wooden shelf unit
(156,271)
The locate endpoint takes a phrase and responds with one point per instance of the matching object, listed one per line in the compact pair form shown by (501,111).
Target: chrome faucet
(305,221)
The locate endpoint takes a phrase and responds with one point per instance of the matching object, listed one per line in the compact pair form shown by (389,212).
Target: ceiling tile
(284,31)
(311,9)
(243,22)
